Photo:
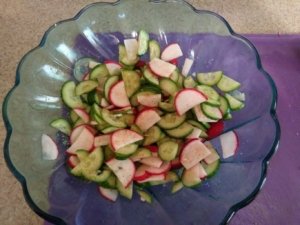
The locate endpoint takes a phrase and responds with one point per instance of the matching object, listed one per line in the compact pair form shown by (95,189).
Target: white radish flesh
(229,143)
(49,148)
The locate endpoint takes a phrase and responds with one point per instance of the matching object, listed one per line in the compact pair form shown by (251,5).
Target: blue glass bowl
(95,32)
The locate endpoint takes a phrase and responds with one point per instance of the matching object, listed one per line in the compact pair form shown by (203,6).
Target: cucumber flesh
(125,192)
(99,72)
(108,84)
(152,135)
(177,187)
(69,97)
(167,107)
(191,177)
(209,79)
(211,111)
(126,151)
(168,150)
(143,42)
(175,75)
(168,86)
(189,82)
(224,106)
(171,121)
(234,104)
(228,84)
(154,49)
(61,125)
(150,77)
(212,168)
(132,81)
(182,131)
(145,197)
(112,120)
(85,87)
(197,124)
(208,92)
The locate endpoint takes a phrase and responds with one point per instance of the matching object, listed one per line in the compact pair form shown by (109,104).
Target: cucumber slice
(206,124)
(211,111)
(151,88)
(78,122)
(108,153)
(227,116)
(150,77)
(143,42)
(168,150)
(145,196)
(99,72)
(167,107)
(175,75)
(132,81)
(96,109)
(69,97)
(224,106)
(238,95)
(228,84)
(177,187)
(124,59)
(189,82)
(108,130)
(141,153)
(93,97)
(234,104)
(82,154)
(98,177)
(62,125)
(125,192)
(182,131)
(154,49)
(172,177)
(85,86)
(112,120)
(152,135)
(81,68)
(73,115)
(191,177)
(180,81)
(209,79)
(209,92)
(135,128)
(212,168)
(111,182)
(168,86)
(171,121)
(197,124)
(108,84)
(126,151)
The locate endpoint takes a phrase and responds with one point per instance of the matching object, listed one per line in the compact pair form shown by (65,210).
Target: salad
(135,123)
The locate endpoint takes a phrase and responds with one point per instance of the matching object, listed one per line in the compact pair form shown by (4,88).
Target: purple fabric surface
(279,201)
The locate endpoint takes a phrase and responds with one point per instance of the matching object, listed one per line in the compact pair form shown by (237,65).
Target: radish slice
(152,161)
(114,68)
(72,161)
(195,134)
(201,116)
(101,140)
(84,141)
(93,64)
(82,114)
(141,173)
(176,164)
(161,68)
(49,148)
(121,138)
(187,99)
(192,153)
(187,66)
(109,194)
(159,177)
(202,172)
(171,52)
(229,143)
(149,100)
(86,76)
(214,156)
(131,46)
(104,103)
(77,130)
(123,169)
(146,119)
(118,96)
(215,129)
(156,171)
(152,148)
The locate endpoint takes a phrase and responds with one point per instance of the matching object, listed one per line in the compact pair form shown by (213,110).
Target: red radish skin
(49,148)
(152,148)
(146,119)
(82,114)
(114,68)
(174,62)
(159,177)
(140,64)
(176,164)
(161,68)
(165,167)
(123,169)
(215,129)
(108,194)
(118,96)
(152,161)
(192,153)
(101,140)
(229,143)
(141,173)
(171,52)
(72,161)
(187,99)
(123,137)
(85,141)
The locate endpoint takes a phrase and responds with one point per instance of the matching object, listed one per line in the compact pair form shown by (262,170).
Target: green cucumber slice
(234,104)
(108,153)
(167,107)
(168,150)
(177,187)
(140,154)
(126,151)
(124,59)
(99,72)
(98,177)
(189,82)
(143,42)
(108,130)
(197,124)
(209,79)
(171,121)
(69,97)
(182,131)
(125,192)
(112,120)
(211,112)
(172,176)
(168,86)
(175,75)
(108,84)
(152,135)
(132,81)
(212,168)
(85,86)
(180,81)
(228,84)
(190,178)
(224,106)
(154,49)
(62,125)
(145,196)
(150,77)
(209,92)
(111,182)
(73,115)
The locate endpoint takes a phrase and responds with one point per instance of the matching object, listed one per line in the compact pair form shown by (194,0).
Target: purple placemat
(279,201)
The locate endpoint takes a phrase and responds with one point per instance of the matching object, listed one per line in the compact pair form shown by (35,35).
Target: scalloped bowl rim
(259,66)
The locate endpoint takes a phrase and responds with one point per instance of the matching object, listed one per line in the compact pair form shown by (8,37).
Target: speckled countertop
(23,22)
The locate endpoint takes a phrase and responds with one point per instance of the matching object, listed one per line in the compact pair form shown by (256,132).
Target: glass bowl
(95,32)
